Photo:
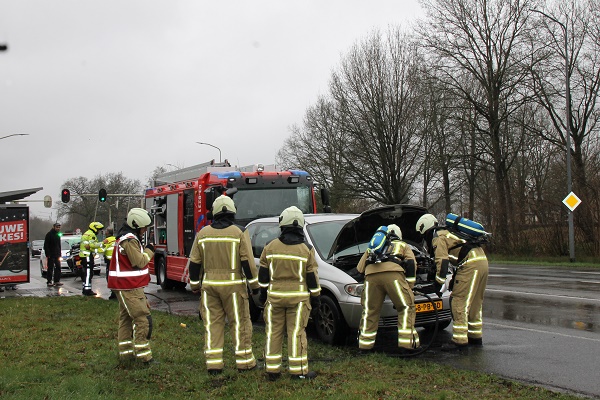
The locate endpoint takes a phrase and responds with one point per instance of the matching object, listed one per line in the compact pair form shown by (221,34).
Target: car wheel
(441,325)
(329,324)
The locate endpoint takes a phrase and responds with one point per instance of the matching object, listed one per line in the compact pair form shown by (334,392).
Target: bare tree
(485,42)
(375,92)
(570,35)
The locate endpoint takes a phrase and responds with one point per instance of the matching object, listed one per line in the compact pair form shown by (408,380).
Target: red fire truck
(181,201)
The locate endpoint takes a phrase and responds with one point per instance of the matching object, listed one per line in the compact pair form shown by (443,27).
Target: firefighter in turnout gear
(128,275)
(469,283)
(393,275)
(221,267)
(289,281)
(88,248)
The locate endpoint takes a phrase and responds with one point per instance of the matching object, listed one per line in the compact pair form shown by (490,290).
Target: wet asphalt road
(541,325)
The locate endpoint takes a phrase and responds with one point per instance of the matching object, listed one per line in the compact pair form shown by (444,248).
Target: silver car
(340,240)
(67,265)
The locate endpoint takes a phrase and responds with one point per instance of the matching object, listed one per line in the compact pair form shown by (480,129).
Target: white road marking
(540,331)
(583,272)
(541,294)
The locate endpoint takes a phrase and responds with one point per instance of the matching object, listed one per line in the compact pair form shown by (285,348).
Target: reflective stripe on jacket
(129,269)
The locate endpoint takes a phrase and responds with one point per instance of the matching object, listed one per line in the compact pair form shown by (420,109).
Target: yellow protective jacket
(402,252)
(222,257)
(447,247)
(108,245)
(89,244)
(289,270)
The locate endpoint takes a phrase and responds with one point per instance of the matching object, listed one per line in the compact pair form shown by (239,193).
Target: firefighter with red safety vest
(290,283)
(128,275)
(88,247)
(469,284)
(221,269)
(394,276)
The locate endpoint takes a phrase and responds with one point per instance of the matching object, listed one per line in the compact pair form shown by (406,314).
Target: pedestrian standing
(470,281)
(128,275)
(87,250)
(221,269)
(288,276)
(392,275)
(52,249)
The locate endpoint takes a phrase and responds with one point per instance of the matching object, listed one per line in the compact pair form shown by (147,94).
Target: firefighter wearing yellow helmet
(392,275)
(469,282)
(221,267)
(290,285)
(88,247)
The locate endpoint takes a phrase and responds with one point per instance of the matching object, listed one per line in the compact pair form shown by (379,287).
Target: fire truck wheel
(161,275)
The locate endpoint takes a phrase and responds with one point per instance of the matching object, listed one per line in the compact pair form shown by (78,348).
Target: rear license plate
(427,307)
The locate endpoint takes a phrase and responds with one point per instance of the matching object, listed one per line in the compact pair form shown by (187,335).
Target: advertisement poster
(14,237)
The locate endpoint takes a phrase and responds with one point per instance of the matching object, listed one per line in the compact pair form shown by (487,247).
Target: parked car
(36,248)
(69,260)
(340,240)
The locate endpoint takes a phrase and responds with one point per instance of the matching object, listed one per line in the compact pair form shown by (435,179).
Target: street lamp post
(174,166)
(567,128)
(208,144)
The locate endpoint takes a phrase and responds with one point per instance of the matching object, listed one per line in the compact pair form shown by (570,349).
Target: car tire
(161,274)
(329,323)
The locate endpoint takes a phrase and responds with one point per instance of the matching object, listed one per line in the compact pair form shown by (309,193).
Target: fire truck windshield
(258,203)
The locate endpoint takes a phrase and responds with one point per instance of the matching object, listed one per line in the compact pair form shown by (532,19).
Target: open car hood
(363,227)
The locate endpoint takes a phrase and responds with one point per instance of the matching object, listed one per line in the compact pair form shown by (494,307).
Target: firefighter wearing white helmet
(393,275)
(290,287)
(88,248)
(469,281)
(128,275)
(221,269)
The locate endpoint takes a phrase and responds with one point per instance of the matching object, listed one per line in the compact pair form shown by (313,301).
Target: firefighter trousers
(467,301)
(287,315)
(231,302)
(394,285)
(135,325)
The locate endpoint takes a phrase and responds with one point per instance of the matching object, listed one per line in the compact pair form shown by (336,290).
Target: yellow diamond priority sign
(572,201)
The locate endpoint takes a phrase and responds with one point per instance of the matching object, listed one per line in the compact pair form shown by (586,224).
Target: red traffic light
(65,195)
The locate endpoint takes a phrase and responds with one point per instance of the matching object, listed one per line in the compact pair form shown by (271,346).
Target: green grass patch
(66,348)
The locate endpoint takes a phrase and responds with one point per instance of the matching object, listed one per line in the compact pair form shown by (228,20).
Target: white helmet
(425,223)
(138,218)
(291,216)
(223,204)
(395,230)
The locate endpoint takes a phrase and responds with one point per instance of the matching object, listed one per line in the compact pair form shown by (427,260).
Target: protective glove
(315,302)
(150,246)
(255,291)
(195,287)
(263,296)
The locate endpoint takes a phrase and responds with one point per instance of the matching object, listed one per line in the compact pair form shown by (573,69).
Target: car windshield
(322,235)
(258,203)
(38,243)
(65,245)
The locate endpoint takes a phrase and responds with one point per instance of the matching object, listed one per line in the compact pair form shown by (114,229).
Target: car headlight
(354,289)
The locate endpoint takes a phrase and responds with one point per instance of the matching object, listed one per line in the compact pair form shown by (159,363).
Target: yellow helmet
(291,216)
(96,226)
(425,223)
(223,204)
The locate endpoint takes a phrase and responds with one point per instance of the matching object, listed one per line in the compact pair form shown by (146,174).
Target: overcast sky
(106,86)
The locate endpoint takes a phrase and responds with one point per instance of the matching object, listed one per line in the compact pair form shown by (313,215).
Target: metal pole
(567,128)
(568,140)
(208,144)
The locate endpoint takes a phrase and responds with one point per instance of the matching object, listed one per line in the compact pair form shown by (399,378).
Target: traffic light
(65,195)
(102,195)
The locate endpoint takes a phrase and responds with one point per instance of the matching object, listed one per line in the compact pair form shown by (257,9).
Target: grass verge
(65,348)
